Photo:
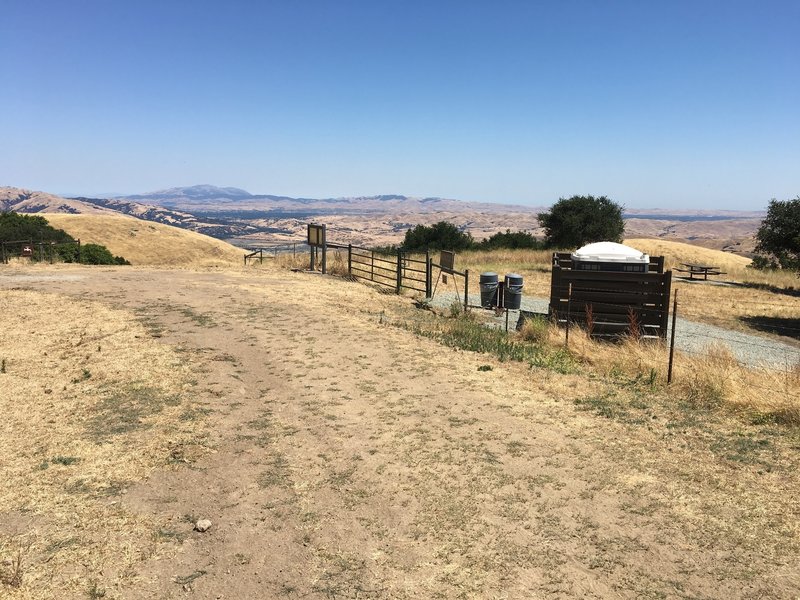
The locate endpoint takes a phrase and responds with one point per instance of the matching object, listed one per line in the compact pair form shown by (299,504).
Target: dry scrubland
(148,243)
(346,446)
(91,404)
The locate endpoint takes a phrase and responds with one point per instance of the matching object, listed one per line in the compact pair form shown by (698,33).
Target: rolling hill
(675,253)
(147,243)
(27,201)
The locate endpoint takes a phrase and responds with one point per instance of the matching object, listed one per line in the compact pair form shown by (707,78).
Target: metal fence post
(349,259)
(399,270)
(428,269)
(324,250)
(569,311)
(672,337)
(466,290)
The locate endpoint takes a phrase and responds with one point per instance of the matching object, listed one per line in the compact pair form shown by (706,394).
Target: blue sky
(672,105)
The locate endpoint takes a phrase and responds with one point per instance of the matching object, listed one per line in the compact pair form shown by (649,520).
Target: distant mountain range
(222,199)
(247,219)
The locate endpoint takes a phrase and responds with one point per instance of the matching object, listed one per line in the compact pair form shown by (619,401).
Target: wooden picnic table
(704,270)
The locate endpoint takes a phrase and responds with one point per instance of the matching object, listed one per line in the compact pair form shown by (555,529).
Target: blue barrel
(513,294)
(489,284)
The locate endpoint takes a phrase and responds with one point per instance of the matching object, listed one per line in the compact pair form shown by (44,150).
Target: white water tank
(610,256)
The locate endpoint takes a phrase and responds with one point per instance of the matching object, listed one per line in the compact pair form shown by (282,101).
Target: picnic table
(704,270)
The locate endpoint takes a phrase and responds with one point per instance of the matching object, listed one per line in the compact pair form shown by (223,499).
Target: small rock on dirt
(202,525)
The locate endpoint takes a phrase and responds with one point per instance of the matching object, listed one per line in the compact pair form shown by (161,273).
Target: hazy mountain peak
(203,192)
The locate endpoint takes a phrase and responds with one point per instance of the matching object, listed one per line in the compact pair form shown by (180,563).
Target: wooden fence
(612,303)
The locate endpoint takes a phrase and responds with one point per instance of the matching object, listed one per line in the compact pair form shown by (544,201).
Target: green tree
(15,227)
(513,240)
(439,236)
(579,220)
(779,235)
(95,254)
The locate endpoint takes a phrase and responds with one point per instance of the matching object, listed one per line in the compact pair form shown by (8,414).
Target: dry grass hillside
(29,201)
(676,253)
(147,243)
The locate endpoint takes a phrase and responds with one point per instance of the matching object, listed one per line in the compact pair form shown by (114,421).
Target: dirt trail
(354,460)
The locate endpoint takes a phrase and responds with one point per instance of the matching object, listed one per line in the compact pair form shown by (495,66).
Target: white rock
(202,525)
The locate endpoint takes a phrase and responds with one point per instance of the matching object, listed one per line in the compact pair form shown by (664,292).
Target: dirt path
(354,460)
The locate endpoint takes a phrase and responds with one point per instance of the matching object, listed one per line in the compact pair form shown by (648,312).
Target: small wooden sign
(447,261)
(27,250)
(316,235)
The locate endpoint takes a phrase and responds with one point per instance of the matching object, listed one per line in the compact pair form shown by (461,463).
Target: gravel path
(690,337)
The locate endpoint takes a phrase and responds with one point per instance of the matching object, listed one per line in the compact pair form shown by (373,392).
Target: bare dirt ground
(343,457)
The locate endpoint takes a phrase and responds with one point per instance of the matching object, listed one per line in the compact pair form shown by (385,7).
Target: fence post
(350,259)
(324,250)
(372,266)
(427,274)
(466,290)
(311,251)
(672,337)
(399,270)
(569,312)
(3,246)
(79,250)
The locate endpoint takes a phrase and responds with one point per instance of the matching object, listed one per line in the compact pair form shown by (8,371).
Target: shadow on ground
(786,326)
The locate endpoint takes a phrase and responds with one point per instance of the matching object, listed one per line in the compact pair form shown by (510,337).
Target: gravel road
(690,336)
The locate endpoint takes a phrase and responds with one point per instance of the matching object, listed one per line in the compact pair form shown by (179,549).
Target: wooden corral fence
(611,303)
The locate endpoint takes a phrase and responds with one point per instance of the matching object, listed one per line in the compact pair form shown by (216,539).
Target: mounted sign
(447,261)
(27,250)
(316,235)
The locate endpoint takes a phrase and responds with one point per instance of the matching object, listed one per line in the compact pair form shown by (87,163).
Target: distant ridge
(213,198)
(202,193)
(28,201)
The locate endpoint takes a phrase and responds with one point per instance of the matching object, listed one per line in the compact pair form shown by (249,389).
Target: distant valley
(246,219)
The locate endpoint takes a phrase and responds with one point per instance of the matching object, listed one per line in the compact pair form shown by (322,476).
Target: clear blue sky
(690,104)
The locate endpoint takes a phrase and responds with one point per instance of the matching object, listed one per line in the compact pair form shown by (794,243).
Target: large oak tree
(779,233)
(580,220)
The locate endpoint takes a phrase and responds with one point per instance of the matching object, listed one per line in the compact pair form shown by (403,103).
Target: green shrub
(15,227)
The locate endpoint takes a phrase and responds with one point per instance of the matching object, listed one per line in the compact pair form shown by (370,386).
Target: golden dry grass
(712,379)
(675,253)
(90,404)
(148,243)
